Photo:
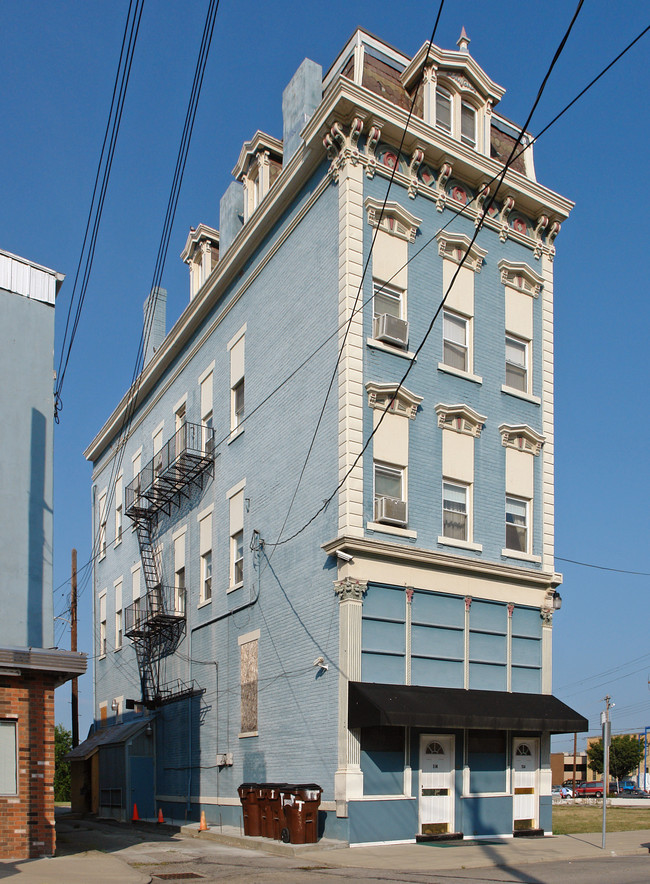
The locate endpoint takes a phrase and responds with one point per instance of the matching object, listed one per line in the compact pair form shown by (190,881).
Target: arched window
(523,749)
(434,748)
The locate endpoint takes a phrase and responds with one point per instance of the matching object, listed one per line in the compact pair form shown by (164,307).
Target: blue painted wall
(26,400)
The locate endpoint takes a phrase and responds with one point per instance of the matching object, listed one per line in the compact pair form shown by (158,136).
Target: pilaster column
(348,779)
(547,650)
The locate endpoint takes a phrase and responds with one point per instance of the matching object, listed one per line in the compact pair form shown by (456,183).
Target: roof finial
(463,41)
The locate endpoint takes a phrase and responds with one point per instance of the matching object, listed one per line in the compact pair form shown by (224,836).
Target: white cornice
(522,438)
(510,270)
(403,401)
(392,209)
(444,561)
(454,247)
(460,419)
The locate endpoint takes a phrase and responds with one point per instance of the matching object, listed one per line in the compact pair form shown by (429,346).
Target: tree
(625,754)
(62,745)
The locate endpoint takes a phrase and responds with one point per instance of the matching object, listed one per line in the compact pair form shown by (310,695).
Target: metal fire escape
(155,623)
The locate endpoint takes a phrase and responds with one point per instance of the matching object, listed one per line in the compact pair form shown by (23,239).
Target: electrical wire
(488,203)
(122,76)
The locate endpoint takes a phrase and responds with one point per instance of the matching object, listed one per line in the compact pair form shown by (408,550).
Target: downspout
(188,805)
(93,495)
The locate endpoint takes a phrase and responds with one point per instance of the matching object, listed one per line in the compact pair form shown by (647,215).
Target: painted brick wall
(27,819)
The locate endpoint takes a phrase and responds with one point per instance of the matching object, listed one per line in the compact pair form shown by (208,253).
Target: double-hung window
(102,625)
(389,494)
(102,524)
(236,512)
(180,590)
(516,363)
(207,420)
(118,510)
(517,524)
(389,324)
(118,615)
(455,333)
(237,380)
(205,544)
(455,511)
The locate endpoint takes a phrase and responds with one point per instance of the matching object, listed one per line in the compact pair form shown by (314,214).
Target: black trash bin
(248,795)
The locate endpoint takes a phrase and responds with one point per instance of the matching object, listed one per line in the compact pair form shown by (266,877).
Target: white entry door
(525,765)
(437,770)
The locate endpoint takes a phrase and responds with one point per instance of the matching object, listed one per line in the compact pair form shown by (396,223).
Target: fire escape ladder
(156,623)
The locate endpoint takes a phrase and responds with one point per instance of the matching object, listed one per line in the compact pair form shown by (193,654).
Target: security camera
(346,557)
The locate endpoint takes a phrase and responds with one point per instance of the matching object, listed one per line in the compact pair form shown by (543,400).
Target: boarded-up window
(248,663)
(8,778)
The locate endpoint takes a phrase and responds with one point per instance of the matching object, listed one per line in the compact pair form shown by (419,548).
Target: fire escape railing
(155,623)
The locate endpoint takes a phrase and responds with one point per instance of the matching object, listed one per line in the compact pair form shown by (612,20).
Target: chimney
(155,314)
(299,101)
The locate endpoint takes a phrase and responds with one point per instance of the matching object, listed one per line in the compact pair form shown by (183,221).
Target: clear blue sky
(59,62)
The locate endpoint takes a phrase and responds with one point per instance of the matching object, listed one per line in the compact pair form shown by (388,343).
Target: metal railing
(162,603)
(189,450)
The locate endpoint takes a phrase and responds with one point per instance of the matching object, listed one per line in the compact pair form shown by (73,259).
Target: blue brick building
(376,616)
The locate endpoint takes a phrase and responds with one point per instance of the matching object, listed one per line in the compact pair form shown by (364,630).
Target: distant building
(395,645)
(30,667)
(562,767)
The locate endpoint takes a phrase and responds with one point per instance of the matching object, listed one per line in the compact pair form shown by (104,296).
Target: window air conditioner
(391,330)
(391,511)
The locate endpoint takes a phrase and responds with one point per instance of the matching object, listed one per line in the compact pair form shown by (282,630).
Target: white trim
(205,513)
(235,489)
(466,375)
(181,402)
(512,391)
(523,557)
(247,637)
(180,531)
(379,345)
(234,586)
(461,544)
(245,734)
(204,603)
(391,529)
(136,454)
(236,337)
(135,567)
(205,372)
(235,434)
(159,429)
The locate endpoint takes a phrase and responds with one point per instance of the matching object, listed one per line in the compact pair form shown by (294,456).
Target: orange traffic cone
(135,818)
(160,815)
(203,826)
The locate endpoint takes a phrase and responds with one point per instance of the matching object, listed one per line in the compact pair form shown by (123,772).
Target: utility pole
(73,647)
(607,736)
(575,750)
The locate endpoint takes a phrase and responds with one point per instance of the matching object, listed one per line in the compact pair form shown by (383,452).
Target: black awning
(373,705)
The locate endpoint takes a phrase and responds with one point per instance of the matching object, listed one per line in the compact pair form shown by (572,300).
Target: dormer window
(259,164)
(468,124)
(443,109)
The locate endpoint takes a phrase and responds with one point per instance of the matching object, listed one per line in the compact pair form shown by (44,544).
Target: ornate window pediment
(396,219)
(453,246)
(518,275)
(522,438)
(460,419)
(405,403)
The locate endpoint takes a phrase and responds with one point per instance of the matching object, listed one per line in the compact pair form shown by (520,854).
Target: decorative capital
(409,594)
(547,616)
(468,602)
(511,608)
(350,590)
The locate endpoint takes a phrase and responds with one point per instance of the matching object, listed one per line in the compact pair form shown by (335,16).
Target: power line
(488,203)
(457,212)
(95,212)
(604,568)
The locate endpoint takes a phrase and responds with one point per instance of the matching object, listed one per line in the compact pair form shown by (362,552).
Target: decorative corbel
(507,207)
(542,224)
(330,146)
(547,616)
(441,182)
(416,162)
(550,238)
(355,131)
(371,146)
(481,196)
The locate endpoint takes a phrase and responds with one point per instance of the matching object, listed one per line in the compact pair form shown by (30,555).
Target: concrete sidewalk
(80,868)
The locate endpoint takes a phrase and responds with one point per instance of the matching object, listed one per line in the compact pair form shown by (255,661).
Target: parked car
(626,786)
(636,793)
(590,790)
(562,792)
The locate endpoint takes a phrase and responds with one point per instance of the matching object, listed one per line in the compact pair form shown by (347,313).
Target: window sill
(466,375)
(523,557)
(117,543)
(204,603)
(391,529)
(512,391)
(235,586)
(460,544)
(235,434)
(249,734)
(396,351)
(101,557)
(115,650)
(102,657)
(487,795)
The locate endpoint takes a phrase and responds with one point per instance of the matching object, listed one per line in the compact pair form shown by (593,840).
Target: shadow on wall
(36,544)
